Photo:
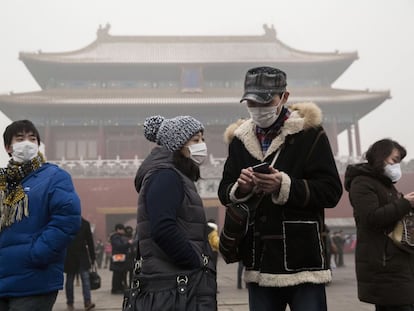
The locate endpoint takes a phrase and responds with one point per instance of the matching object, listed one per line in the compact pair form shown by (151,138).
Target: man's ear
(285,97)
(8,149)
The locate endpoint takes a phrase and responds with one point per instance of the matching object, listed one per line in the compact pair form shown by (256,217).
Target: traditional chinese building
(93,102)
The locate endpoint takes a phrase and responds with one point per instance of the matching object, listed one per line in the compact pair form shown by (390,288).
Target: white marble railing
(212,169)
(126,167)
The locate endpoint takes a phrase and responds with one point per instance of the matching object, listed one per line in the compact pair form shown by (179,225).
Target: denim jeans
(43,302)
(86,287)
(303,297)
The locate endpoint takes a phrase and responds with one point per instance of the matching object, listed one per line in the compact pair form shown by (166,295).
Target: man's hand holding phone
(267,179)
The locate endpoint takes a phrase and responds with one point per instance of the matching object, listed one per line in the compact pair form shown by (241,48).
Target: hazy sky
(381,31)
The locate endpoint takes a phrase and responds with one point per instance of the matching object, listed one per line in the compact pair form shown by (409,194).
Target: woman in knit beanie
(171,219)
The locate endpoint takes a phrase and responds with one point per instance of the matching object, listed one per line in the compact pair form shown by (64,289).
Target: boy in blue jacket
(39,216)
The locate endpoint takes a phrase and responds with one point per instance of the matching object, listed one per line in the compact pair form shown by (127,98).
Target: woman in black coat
(385,273)
(79,256)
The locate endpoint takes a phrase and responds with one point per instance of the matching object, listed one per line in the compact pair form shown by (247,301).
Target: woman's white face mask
(393,171)
(198,152)
(24,151)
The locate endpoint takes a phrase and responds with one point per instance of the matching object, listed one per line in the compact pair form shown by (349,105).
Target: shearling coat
(385,273)
(284,246)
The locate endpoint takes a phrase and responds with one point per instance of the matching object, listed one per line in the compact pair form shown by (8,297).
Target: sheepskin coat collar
(302,117)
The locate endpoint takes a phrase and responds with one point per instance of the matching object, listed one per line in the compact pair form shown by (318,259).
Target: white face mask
(198,152)
(263,116)
(24,151)
(393,171)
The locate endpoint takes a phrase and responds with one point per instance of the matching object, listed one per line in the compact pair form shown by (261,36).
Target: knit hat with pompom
(173,133)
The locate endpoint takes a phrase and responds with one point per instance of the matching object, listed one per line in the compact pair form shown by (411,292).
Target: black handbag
(192,290)
(94,277)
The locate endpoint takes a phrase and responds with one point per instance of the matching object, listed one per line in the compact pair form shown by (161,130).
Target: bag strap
(276,156)
(92,264)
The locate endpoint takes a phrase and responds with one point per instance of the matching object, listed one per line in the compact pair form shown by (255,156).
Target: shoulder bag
(237,219)
(403,233)
(181,291)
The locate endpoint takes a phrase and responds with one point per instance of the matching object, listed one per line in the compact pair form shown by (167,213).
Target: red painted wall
(116,195)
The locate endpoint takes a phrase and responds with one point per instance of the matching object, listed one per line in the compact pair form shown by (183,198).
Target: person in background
(330,246)
(108,252)
(129,233)
(119,264)
(39,216)
(79,258)
(384,272)
(213,238)
(283,250)
(99,251)
(339,241)
(171,217)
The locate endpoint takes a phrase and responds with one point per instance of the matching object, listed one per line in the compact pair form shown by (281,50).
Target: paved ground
(341,292)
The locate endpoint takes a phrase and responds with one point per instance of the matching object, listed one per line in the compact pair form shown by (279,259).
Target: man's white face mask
(198,152)
(265,116)
(24,151)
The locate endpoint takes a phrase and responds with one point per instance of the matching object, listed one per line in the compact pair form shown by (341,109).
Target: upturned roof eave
(107,98)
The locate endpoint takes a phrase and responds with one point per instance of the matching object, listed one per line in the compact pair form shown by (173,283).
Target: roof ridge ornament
(103,32)
(269,31)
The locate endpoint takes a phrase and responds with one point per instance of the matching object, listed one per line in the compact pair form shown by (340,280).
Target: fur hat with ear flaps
(173,133)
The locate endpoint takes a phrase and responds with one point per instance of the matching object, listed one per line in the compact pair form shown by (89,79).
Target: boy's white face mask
(24,151)
(198,152)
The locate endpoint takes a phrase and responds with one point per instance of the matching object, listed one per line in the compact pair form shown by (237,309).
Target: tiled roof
(187,49)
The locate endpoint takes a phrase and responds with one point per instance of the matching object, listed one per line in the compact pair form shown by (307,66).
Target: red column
(357,138)
(46,141)
(350,144)
(334,141)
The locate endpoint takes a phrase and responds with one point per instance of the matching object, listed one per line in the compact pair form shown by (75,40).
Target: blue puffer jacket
(32,251)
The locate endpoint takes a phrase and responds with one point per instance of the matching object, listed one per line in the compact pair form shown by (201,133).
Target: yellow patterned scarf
(13,200)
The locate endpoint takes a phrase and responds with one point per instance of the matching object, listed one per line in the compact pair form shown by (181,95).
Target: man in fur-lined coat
(283,251)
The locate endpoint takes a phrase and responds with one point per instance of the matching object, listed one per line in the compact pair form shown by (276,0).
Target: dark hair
(186,166)
(21,126)
(129,231)
(380,150)
(119,227)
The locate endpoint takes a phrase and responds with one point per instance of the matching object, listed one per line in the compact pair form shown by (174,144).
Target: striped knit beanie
(173,133)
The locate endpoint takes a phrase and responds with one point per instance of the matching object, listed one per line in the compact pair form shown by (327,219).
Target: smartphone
(262,168)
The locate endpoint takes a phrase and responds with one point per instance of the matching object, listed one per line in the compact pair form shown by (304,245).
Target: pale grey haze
(381,31)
